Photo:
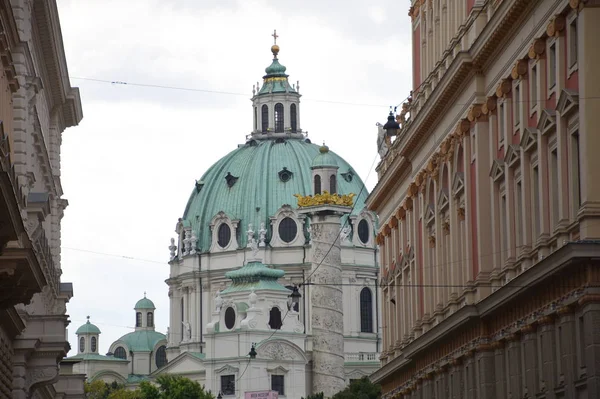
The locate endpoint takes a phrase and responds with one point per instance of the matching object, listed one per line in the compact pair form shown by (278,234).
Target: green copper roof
(88,328)
(143,340)
(144,303)
(137,378)
(259,192)
(95,356)
(324,159)
(254,276)
(254,271)
(275,69)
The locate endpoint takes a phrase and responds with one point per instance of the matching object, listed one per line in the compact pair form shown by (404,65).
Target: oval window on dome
(288,229)
(229,318)
(223,235)
(363,231)
(94,343)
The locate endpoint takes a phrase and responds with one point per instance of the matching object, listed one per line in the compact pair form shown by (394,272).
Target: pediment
(281,350)
(497,171)
(227,369)
(529,139)
(184,363)
(278,370)
(443,201)
(429,214)
(513,155)
(547,121)
(567,102)
(458,184)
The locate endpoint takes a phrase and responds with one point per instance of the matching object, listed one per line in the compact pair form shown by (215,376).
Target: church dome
(142,341)
(325,159)
(88,328)
(252,182)
(145,303)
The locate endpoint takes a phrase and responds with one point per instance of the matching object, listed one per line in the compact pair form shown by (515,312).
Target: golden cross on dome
(275,36)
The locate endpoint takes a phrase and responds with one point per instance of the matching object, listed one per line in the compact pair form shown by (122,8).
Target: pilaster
(589,117)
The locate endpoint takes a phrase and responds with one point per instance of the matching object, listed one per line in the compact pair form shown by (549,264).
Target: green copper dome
(142,341)
(254,276)
(275,69)
(325,159)
(250,184)
(88,328)
(144,303)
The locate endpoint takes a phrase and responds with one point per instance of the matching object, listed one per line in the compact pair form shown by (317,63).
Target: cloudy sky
(130,166)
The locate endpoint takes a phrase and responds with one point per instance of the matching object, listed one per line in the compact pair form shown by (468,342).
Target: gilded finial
(323,149)
(275,47)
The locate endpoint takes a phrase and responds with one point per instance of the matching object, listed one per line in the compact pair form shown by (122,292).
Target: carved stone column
(326,296)
(530,358)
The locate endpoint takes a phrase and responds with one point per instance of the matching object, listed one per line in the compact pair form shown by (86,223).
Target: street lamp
(391,127)
(252,353)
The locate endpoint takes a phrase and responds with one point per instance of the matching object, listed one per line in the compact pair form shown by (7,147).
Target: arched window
(317,184)
(81,344)
(138,319)
(229,318)
(94,343)
(161,356)
(255,118)
(264,118)
(279,118)
(366,311)
(182,313)
(333,184)
(275,318)
(288,230)
(293,120)
(223,235)
(120,353)
(150,319)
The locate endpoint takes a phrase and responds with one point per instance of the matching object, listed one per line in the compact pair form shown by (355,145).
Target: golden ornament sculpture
(325,199)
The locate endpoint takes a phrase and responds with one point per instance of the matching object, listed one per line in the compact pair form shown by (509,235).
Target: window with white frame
(501,124)
(551,68)
(278,384)
(572,49)
(554,185)
(533,86)
(517,105)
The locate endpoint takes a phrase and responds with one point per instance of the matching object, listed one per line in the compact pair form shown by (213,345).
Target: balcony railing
(361,357)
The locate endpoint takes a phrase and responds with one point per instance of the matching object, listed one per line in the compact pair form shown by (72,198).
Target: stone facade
(36,105)
(489,206)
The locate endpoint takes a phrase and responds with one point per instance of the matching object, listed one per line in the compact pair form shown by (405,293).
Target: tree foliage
(360,389)
(102,390)
(167,387)
(315,396)
(174,387)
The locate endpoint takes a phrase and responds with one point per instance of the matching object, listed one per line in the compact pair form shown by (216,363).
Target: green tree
(173,387)
(101,390)
(360,389)
(315,396)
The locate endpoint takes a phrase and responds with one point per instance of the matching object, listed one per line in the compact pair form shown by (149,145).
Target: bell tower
(276,104)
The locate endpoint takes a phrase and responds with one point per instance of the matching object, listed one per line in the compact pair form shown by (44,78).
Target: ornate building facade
(37,103)
(489,205)
(269,260)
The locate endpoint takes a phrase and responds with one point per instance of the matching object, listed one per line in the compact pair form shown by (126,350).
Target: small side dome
(324,159)
(144,303)
(88,328)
